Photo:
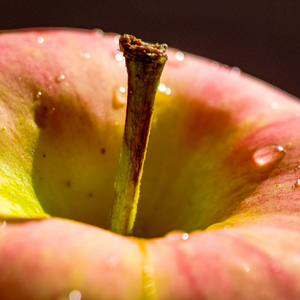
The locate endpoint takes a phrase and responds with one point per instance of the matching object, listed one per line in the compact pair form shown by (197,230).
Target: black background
(261,37)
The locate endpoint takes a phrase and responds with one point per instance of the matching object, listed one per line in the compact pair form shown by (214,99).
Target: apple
(218,215)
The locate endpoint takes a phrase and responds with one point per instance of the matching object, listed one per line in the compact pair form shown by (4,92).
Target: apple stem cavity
(144,63)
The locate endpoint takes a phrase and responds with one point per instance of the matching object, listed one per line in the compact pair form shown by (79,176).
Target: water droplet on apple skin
(235,72)
(60,78)
(296,184)
(98,32)
(116,39)
(119,98)
(40,40)
(214,65)
(112,262)
(268,155)
(246,267)
(275,267)
(177,236)
(75,295)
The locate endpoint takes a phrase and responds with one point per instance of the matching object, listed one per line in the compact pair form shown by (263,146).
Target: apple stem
(145,63)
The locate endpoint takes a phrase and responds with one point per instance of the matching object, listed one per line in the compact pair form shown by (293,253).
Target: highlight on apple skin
(218,215)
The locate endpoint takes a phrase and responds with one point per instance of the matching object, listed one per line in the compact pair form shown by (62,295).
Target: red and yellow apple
(218,216)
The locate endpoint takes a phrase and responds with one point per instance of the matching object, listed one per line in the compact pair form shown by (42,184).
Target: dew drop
(268,155)
(246,267)
(112,262)
(162,87)
(60,78)
(40,40)
(215,65)
(4,224)
(3,128)
(87,55)
(119,98)
(296,184)
(274,105)
(179,56)
(75,295)
(116,39)
(38,94)
(185,236)
(119,57)
(275,267)
(289,144)
(98,32)
(297,168)
(225,68)
(235,72)
(168,91)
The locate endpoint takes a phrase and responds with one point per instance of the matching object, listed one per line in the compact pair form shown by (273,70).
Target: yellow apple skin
(62,117)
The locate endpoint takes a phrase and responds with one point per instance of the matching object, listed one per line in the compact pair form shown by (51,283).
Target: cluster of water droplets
(234,71)
(164,89)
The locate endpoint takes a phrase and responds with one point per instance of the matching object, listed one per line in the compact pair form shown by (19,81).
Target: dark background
(261,37)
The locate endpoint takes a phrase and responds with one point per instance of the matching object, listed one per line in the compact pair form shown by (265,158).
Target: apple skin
(200,161)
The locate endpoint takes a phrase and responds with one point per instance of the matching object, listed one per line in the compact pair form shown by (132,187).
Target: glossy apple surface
(222,163)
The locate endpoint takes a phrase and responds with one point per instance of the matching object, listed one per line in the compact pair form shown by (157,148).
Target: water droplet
(275,267)
(87,55)
(277,185)
(185,236)
(221,225)
(4,224)
(60,78)
(98,32)
(235,72)
(274,105)
(38,94)
(297,168)
(75,295)
(215,65)
(246,267)
(112,262)
(40,40)
(289,144)
(119,98)
(268,155)
(116,39)
(3,128)
(162,87)
(168,91)
(179,56)
(296,184)
(225,68)
(119,57)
